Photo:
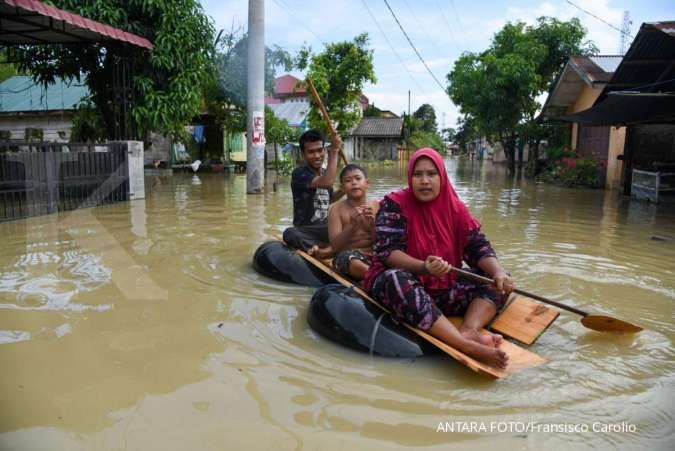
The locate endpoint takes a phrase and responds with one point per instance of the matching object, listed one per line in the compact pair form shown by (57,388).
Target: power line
(283,5)
(413,46)
(424,29)
(600,19)
(462,33)
(461,27)
(372,16)
(445,19)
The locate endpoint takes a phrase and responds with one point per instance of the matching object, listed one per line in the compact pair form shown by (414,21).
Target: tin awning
(33,22)
(626,108)
(642,89)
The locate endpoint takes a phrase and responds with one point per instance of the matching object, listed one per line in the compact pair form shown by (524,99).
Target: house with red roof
(290,100)
(287,88)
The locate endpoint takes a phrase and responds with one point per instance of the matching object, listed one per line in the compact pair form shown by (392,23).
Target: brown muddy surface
(142,325)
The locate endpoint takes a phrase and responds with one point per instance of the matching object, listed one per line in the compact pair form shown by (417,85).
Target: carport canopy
(30,22)
(627,108)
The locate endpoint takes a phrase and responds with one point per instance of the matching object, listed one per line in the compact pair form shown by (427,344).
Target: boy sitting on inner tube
(312,188)
(351,225)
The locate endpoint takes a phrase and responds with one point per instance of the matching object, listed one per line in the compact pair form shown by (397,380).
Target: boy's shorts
(342,260)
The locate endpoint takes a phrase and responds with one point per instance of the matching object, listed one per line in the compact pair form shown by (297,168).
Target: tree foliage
(449,134)
(421,129)
(339,73)
(421,138)
(466,132)
(562,39)
(410,124)
(278,131)
(372,111)
(497,89)
(88,124)
(168,80)
(426,118)
(232,65)
(226,95)
(7,70)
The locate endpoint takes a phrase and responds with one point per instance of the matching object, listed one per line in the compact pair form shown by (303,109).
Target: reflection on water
(142,326)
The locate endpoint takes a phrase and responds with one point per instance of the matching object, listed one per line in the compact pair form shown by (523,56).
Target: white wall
(51,125)
(348,148)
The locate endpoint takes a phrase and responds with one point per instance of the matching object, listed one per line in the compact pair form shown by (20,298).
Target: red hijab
(439,227)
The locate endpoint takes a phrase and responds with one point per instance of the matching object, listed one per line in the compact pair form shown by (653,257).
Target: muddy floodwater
(142,326)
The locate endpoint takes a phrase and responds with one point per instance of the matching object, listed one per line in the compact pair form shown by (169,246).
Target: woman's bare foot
(487,339)
(492,356)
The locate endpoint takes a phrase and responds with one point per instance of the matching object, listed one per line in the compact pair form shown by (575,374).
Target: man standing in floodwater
(312,187)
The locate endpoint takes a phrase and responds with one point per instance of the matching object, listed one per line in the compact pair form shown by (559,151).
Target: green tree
(426,118)
(168,81)
(232,62)
(562,40)
(410,124)
(466,132)
(7,70)
(339,73)
(497,88)
(88,124)
(279,132)
(226,95)
(372,111)
(422,138)
(448,134)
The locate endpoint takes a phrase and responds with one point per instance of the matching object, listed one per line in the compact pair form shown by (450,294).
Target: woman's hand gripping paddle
(600,323)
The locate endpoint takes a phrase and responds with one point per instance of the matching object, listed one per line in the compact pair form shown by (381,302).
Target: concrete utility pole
(255,105)
(408,102)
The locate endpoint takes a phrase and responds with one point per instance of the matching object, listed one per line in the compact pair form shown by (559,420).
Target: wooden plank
(524,319)
(519,359)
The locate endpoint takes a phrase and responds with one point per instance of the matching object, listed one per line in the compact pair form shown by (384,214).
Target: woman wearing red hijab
(421,231)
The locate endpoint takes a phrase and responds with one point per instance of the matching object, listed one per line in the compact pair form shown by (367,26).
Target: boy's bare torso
(363,232)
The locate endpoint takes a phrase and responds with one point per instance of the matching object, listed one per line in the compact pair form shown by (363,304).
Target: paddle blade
(603,323)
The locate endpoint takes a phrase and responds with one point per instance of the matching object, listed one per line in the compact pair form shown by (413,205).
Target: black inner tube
(339,314)
(276,260)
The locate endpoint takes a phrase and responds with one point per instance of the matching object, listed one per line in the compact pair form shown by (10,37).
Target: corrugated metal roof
(578,71)
(620,108)
(52,24)
(380,127)
(650,59)
(294,112)
(640,91)
(22,94)
(593,69)
(608,63)
(665,26)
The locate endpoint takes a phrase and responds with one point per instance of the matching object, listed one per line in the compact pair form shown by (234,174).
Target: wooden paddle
(519,359)
(601,323)
(326,117)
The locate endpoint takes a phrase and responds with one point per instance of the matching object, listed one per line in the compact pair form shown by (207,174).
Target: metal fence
(43,178)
